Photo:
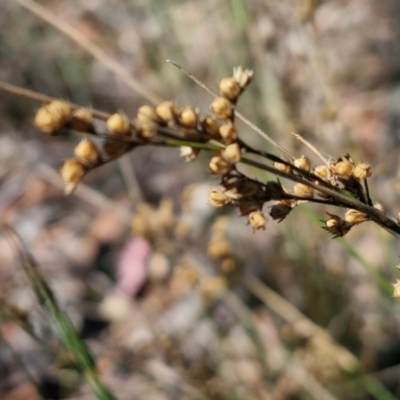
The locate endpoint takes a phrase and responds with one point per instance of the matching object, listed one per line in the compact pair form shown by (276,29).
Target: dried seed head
(219,166)
(217,198)
(337,226)
(210,126)
(230,89)
(228,132)
(396,291)
(280,211)
(53,117)
(283,167)
(118,124)
(343,169)
(243,77)
(303,163)
(87,152)
(148,121)
(234,193)
(189,153)
(274,190)
(249,188)
(188,117)
(321,171)
(354,216)
(222,108)
(82,120)
(72,173)
(303,190)
(362,171)
(258,220)
(232,153)
(167,111)
(246,207)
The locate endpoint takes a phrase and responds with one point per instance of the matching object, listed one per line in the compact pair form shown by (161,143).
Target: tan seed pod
(228,132)
(230,89)
(222,108)
(217,198)
(188,117)
(283,167)
(118,124)
(232,153)
(354,216)
(343,169)
(257,220)
(167,111)
(82,120)
(87,152)
(303,163)
(72,173)
(53,117)
(321,171)
(210,126)
(362,171)
(148,120)
(219,166)
(188,153)
(303,190)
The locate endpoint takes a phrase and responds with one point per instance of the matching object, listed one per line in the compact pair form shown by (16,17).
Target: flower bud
(217,198)
(188,117)
(167,111)
(219,166)
(258,220)
(362,171)
(228,132)
(53,117)
(232,153)
(82,120)
(87,152)
(344,169)
(230,89)
(355,217)
(72,173)
(222,108)
(302,163)
(118,124)
(302,190)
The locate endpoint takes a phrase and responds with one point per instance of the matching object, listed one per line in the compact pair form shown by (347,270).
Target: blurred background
(202,307)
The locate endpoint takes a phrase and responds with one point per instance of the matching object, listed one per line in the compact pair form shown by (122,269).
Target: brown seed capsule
(355,217)
(87,152)
(82,120)
(188,117)
(228,132)
(72,173)
(243,77)
(210,126)
(188,153)
(219,166)
(362,171)
(222,108)
(280,211)
(232,153)
(118,124)
(167,111)
(303,163)
(217,198)
(246,207)
(283,167)
(230,89)
(337,226)
(303,190)
(274,190)
(53,117)
(258,220)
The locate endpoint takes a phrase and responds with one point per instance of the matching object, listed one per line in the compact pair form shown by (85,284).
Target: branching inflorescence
(340,182)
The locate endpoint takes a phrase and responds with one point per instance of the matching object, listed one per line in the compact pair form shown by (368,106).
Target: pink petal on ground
(132,266)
